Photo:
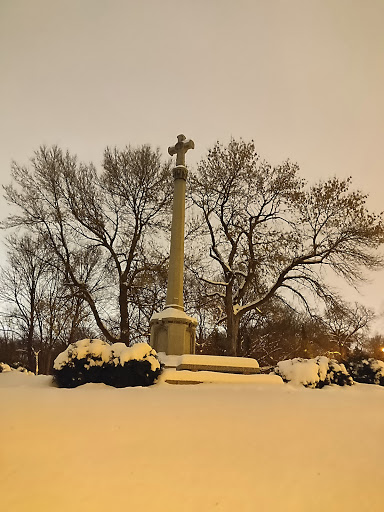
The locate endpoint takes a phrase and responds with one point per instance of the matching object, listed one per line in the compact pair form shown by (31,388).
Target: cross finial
(180,148)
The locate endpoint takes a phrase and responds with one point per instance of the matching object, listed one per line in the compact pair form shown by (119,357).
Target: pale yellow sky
(303,78)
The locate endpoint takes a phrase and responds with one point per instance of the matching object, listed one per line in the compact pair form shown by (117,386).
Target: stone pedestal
(173,332)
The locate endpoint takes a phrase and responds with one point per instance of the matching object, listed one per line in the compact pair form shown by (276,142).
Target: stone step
(185,377)
(222,364)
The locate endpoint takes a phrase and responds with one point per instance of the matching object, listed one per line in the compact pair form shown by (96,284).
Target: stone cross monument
(172,330)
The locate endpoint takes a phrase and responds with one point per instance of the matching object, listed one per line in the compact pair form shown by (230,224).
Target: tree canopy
(110,221)
(262,246)
(266,234)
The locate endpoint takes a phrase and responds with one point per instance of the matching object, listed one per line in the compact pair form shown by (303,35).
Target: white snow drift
(211,447)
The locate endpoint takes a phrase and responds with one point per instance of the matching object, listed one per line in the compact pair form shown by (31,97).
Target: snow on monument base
(198,368)
(173,332)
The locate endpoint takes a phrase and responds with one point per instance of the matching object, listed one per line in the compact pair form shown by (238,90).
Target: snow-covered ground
(206,447)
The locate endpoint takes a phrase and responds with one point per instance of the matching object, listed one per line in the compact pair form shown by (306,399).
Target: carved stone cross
(172,330)
(180,148)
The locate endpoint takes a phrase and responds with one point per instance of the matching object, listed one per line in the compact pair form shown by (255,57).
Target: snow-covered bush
(313,373)
(4,367)
(97,361)
(367,371)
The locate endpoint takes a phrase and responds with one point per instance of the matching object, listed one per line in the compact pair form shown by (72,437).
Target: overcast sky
(303,78)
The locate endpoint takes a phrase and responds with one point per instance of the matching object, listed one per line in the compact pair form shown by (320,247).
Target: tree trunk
(30,355)
(124,320)
(233,323)
(75,321)
(48,362)
(343,350)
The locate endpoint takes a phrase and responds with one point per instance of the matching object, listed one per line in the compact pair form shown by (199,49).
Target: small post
(36,352)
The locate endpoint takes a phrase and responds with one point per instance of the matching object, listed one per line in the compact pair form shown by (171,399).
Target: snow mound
(16,379)
(4,367)
(95,351)
(172,376)
(122,354)
(313,373)
(204,360)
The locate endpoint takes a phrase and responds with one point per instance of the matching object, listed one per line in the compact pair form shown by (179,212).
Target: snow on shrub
(4,367)
(367,371)
(313,373)
(97,361)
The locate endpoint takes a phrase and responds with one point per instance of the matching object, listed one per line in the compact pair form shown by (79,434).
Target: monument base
(198,369)
(173,332)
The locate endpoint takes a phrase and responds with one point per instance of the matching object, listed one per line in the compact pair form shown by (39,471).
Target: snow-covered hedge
(4,367)
(313,373)
(367,371)
(97,361)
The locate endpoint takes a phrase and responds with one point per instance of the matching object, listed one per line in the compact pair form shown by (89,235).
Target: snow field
(186,448)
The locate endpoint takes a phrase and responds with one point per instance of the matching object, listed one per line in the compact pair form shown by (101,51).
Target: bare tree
(38,307)
(21,287)
(371,347)
(346,323)
(117,215)
(268,235)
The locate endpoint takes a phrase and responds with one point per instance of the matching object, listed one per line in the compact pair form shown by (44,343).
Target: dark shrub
(132,373)
(367,371)
(97,361)
(338,374)
(72,375)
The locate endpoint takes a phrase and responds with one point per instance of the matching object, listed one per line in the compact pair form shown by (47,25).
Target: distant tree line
(88,255)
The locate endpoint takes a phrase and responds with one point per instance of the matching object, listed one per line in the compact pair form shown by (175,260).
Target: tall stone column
(172,330)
